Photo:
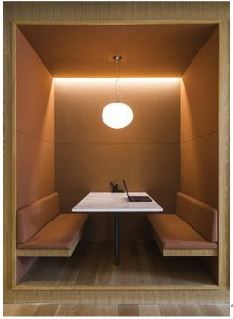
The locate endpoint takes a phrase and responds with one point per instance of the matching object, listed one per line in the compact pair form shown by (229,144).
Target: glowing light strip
(135,80)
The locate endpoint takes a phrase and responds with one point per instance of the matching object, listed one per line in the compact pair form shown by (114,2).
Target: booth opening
(168,76)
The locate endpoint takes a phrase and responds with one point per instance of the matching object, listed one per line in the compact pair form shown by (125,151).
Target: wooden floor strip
(215,310)
(116,310)
(128,310)
(87,310)
(148,310)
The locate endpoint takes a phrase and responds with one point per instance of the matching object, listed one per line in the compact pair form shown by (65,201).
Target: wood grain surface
(146,50)
(116,310)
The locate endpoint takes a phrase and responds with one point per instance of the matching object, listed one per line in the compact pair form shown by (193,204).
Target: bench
(192,231)
(43,231)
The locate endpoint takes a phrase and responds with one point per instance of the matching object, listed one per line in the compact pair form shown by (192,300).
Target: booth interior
(168,75)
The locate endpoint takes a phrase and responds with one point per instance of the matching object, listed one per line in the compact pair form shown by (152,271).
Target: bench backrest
(202,217)
(32,218)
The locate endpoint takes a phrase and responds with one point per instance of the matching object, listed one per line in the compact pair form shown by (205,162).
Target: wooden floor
(141,265)
(116,310)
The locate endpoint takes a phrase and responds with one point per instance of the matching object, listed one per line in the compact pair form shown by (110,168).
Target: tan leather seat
(43,231)
(192,231)
(174,233)
(60,233)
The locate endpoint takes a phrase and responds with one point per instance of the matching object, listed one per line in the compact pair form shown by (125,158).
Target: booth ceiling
(87,51)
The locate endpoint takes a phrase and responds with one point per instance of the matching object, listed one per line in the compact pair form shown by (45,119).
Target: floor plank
(190,310)
(87,310)
(169,310)
(141,264)
(46,310)
(215,310)
(148,310)
(8,310)
(116,310)
(21,310)
(128,310)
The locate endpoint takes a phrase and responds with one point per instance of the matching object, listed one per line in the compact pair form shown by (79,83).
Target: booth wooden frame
(113,14)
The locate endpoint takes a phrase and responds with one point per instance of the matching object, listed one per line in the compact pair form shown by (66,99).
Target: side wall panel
(34,131)
(199,129)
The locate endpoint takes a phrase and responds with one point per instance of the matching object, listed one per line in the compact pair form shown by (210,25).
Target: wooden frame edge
(23,287)
(13,61)
(17,22)
(118,22)
(119,296)
(223,156)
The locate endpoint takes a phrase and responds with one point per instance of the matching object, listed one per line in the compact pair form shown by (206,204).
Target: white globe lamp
(117,115)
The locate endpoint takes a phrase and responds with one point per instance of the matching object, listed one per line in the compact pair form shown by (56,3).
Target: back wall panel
(89,154)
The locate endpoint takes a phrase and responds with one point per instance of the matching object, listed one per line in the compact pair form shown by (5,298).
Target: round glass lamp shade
(117,115)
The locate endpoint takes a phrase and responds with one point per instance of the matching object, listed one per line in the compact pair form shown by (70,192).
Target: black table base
(117,237)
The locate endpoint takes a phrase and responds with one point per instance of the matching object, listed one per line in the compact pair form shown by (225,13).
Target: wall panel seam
(199,137)
(35,138)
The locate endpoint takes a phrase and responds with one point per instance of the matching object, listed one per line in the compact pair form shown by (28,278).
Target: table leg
(117,237)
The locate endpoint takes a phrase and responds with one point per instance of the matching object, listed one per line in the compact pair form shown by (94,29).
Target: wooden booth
(59,74)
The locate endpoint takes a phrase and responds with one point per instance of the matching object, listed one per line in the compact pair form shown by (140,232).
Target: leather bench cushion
(174,233)
(30,219)
(60,233)
(202,217)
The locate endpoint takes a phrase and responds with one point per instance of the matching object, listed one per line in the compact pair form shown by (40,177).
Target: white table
(116,203)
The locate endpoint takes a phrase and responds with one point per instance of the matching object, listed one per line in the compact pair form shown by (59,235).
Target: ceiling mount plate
(117,58)
(121,57)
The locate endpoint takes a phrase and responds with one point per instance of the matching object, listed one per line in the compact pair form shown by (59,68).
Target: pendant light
(117,115)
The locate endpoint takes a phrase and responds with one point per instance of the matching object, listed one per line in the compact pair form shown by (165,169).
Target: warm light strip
(122,80)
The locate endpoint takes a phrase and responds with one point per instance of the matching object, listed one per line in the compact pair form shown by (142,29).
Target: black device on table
(136,198)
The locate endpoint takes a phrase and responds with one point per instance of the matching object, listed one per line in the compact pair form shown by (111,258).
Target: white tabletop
(115,202)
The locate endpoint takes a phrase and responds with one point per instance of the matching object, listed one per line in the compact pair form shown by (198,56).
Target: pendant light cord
(117,92)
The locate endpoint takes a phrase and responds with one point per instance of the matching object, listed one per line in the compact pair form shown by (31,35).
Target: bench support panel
(190,252)
(45,252)
(185,252)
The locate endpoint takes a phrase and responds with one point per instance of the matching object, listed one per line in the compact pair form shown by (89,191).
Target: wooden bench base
(189,252)
(46,252)
(184,252)
(76,226)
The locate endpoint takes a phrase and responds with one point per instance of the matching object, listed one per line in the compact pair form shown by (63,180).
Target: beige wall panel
(199,128)
(34,93)
(34,132)
(199,169)
(89,154)
(199,125)
(35,169)
(155,103)
(199,99)
(84,168)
